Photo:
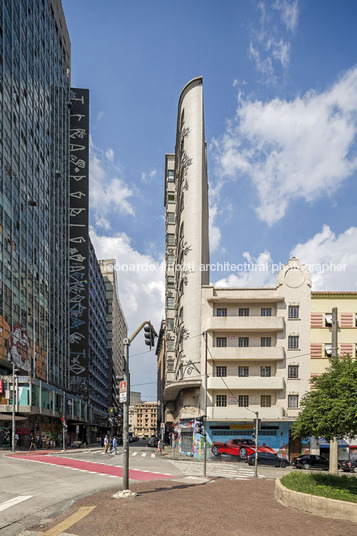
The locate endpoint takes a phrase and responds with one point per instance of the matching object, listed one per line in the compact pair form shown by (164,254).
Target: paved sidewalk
(216,507)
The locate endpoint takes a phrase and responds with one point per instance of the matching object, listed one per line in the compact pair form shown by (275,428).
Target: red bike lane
(92,467)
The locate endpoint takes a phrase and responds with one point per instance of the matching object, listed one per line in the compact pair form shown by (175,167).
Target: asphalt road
(36,488)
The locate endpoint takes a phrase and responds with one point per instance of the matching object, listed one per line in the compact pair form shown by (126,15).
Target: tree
(329,410)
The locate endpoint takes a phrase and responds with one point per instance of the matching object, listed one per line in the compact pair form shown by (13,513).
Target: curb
(312,504)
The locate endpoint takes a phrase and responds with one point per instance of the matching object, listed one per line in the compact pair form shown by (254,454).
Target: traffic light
(199,426)
(64,425)
(149,336)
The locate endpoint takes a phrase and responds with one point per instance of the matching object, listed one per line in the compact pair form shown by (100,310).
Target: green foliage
(330,409)
(342,488)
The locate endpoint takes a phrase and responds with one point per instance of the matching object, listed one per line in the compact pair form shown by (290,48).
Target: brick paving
(216,507)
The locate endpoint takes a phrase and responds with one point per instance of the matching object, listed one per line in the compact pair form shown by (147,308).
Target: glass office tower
(34,189)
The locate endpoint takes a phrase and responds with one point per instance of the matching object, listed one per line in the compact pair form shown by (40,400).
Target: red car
(239,447)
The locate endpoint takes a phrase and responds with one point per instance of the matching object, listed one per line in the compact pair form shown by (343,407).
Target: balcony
(253,353)
(252,383)
(246,323)
(231,413)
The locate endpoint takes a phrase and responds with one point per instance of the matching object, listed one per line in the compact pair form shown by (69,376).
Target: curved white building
(187,253)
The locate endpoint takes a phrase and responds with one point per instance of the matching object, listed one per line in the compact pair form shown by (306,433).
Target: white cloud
(253,272)
(269,47)
(100,115)
(330,258)
(333,259)
(107,193)
(142,294)
(289,12)
(302,148)
(110,154)
(151,174)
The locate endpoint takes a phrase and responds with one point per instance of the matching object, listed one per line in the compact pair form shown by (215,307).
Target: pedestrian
(106,444)
(159,447)
(32,443)
(115,445)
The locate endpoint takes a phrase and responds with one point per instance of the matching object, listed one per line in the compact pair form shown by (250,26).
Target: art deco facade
(186,202)
(145,419)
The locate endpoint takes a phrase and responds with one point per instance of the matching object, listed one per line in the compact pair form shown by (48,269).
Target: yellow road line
(71,520)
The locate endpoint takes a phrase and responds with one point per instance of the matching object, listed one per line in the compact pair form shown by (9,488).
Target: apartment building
(322,304)
(258,357)
(145,419)
(186,202)
(117,330)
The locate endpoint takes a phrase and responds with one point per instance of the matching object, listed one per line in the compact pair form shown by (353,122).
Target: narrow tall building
(117,331)
(187,252)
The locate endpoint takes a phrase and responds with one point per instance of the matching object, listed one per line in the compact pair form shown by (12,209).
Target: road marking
(134,454)
(153,456)
(71,520)
(12,502)
(143,454)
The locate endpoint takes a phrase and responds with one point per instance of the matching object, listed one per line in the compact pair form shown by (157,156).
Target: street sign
(77,428)
(122,394)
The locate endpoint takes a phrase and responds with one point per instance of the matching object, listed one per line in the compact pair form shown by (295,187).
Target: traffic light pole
(127,341)
(126,416)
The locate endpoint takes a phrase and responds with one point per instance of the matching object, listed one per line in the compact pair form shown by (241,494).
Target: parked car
(152,442)
(239,447)
(349,466)
(266,458)
(310,461)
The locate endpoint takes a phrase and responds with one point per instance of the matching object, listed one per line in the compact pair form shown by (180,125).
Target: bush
(342,488)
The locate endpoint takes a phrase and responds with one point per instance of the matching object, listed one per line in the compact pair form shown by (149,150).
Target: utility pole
(205,413)
(127,341)
(13,431)
(333,465)
(256,444)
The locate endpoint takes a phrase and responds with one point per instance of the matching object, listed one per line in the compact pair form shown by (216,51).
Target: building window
(265,341)
(221,401)
(171,198)
(293,401)
(170,239)
(170,324)
(328,320)
(221,311)
(243,401)
(293,342)
(243,372)
(221,342)
(328,350)
(170,261)
(221,372)
(265,401)
(293,311)
(265,372)
(243,342)
(171,217)
(171,303)
(170,281)
(293,371)
(170,346)
(171,175)
(265,311)
(243,311)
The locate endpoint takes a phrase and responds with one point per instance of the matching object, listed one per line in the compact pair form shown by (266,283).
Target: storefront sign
(1,386)
(241,426)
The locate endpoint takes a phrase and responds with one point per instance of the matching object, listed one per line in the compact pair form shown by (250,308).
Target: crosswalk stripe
(153,456)
(14,501)
(143,454)
(134,453)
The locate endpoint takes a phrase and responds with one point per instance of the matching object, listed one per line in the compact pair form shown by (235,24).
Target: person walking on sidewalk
(106,444)
(115,445)
(159,447)
(32,443)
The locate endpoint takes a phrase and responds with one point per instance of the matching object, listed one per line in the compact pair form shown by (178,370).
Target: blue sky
(280,91)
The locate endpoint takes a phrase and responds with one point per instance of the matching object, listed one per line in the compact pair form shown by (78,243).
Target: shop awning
(326,444)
